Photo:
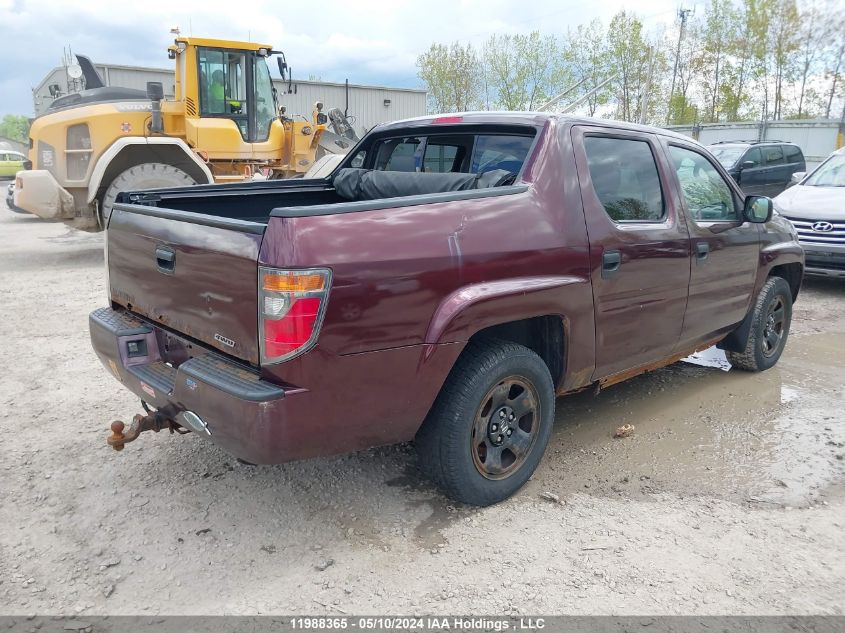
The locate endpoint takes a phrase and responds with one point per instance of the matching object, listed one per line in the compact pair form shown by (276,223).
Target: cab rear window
(447,153)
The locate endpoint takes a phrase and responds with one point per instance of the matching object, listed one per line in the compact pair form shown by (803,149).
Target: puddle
(761,438)
(443,512)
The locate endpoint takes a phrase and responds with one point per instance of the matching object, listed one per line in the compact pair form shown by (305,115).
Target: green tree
(584,58)
(15,127)
(815,31)
(681,108)
(713,63)
(783,35)
(452,77)
(520,69)
(636,63)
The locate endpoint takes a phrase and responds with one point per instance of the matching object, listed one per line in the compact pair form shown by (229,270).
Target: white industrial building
(369,105)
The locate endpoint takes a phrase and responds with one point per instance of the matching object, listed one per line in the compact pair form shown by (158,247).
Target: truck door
(725,249)
(639,248)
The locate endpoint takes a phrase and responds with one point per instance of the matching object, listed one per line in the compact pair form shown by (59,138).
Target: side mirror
(758,209)
(748,164)
(283,65)
(797,177)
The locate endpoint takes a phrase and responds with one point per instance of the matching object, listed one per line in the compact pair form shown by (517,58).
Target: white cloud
(368,41)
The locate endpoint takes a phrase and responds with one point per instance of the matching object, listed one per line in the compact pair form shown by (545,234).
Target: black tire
(770,323)
(481,468)
(140,177)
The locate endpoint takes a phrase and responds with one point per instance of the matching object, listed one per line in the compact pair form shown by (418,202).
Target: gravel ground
(727,499)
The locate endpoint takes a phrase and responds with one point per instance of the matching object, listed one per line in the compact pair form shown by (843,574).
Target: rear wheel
(140,177)
(770,323)
(491,422)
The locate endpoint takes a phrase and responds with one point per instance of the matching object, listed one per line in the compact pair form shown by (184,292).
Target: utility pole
(647,88)
(682,16)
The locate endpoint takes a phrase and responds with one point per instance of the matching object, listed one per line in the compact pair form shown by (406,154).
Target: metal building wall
(817,138)
(366,103)
(124,76)
(137,78)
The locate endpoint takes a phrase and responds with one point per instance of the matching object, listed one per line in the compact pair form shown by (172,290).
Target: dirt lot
(727,499)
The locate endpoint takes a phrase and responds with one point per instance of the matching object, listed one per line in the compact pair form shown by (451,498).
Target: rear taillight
(291,305)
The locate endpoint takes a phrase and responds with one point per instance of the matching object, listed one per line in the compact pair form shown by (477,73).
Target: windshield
(265,110)
(830,174)
(726,155)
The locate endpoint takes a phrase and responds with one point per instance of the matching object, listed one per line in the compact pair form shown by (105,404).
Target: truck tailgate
(191,273)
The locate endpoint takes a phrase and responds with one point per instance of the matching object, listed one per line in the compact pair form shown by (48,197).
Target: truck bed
(248,202)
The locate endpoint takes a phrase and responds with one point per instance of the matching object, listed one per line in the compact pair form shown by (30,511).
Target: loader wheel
(139,177)
(491,422)
(769,328)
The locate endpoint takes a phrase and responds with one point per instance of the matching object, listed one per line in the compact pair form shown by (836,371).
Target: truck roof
(215,43)
(523,118)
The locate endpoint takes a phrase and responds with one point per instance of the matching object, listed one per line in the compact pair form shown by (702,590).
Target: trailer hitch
(153,421)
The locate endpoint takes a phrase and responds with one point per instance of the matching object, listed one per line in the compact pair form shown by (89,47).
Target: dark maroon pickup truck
(451,277)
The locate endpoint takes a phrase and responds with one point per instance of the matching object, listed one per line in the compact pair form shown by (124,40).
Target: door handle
(165,260)
(702,250)
(610,263)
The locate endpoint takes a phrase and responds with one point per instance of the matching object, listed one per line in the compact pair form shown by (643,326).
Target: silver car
(816,207)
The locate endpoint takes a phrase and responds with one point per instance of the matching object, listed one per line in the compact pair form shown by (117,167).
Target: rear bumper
(241,411)
(316,404)
(37,192)
(827,260)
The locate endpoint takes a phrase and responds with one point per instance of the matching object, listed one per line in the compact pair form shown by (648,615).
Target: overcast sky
(367,41)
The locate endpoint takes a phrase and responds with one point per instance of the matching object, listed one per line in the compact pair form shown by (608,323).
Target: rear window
(500,152)
(727,155)
(448,153)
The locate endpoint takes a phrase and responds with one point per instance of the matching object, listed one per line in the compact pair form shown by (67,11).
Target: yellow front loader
(224,124)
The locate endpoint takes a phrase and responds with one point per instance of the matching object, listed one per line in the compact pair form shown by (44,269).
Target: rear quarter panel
(412,284)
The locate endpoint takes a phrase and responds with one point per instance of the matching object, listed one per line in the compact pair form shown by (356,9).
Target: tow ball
(154,421)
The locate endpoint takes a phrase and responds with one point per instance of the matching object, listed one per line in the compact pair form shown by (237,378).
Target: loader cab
(236,85)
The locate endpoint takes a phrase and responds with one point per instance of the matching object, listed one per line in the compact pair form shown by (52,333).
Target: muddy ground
(727,499)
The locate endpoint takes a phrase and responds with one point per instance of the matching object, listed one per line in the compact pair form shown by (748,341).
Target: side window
(793,154)
(625,178)
(707,196)
(754,156)
(773,155)
(4,157)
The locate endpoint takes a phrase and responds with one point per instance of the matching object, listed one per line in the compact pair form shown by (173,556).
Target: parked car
(10,163)
(816,207)
(10,198)
(492,262)
(760,167)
